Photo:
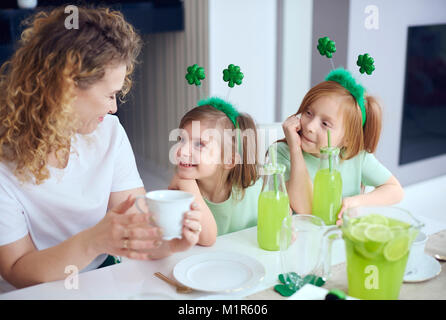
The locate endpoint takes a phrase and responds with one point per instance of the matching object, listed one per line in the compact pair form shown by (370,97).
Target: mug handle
(136,203)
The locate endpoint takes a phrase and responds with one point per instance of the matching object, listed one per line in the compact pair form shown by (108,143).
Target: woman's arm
(386,194)
(208,233)
(21,264)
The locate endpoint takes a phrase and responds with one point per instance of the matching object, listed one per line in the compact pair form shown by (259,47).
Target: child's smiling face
(199,153)
(323,114)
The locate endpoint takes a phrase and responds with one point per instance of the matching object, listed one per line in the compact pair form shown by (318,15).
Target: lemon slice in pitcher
(398,231)
(357,231)
(378,233)
(375,218)
(397,248)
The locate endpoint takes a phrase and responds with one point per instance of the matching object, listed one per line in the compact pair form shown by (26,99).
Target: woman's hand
(291,127)
(129,235)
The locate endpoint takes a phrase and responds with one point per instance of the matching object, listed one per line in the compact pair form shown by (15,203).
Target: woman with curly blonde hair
(68,177)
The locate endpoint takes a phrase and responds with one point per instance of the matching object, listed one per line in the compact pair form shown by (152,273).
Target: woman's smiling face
(323,114)
(93,103)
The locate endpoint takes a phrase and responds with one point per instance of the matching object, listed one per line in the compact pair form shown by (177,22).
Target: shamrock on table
(293,282)
(195,73)
(326,47)
(232,75)
(365,62)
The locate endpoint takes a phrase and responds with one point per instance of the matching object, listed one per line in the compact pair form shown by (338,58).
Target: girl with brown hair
(68,177)
(354,120)
(216,158)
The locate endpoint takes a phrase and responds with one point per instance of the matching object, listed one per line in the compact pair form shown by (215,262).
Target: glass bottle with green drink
(327,186)
(273,207)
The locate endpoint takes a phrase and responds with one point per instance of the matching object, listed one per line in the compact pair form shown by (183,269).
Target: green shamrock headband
(365,62)
(345,79)
(233,76)
(227,109)
(223,106)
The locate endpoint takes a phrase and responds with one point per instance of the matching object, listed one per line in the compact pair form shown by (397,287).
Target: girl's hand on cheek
(291,127)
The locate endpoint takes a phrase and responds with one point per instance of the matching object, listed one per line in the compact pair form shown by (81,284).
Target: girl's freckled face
(322,115)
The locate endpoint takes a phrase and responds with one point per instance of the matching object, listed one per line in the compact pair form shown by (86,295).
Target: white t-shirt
(74,198)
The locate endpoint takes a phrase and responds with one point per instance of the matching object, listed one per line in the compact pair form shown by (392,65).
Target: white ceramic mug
(168,208)
(416,254)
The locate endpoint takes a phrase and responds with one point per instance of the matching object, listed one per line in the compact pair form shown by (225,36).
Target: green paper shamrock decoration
(294,282)
(232,75)
(365,62)
(195,73)
(326,47)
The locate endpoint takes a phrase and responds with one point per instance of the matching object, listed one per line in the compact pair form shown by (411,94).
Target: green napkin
(294,282)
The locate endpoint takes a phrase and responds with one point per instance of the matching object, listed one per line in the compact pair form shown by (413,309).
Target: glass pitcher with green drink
(273,207)
(327,186)
(377,243)
(305,249)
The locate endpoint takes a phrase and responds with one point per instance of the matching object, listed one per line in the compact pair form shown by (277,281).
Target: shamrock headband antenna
(233,76)
(327,47)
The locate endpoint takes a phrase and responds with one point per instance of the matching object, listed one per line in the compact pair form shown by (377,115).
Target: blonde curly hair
(38,82)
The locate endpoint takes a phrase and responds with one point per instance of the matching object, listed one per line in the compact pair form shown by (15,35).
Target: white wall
(387,46)
(296,58)
(243,32)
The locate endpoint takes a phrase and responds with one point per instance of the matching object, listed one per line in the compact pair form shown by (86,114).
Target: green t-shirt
(234,215)
(363,168)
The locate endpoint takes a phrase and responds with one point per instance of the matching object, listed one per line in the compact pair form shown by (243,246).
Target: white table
(135,279)
(132,278)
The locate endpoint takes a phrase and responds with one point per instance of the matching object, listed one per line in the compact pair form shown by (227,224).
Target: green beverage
(327,195)
(272,209)
(377,248)
(273,205)
(327,187)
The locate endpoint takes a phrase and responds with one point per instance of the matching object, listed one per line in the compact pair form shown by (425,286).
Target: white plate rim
(254,265)
(434,262)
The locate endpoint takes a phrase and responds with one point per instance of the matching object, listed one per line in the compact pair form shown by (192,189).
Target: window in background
(423,132)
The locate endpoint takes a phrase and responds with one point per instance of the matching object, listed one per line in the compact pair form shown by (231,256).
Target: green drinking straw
(274,162)
(330,160)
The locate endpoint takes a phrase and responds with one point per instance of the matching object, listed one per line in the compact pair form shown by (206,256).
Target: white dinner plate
(219,272)
(427,269)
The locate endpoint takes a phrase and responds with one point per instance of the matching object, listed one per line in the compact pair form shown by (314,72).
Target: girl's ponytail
(245,174)
(373,124)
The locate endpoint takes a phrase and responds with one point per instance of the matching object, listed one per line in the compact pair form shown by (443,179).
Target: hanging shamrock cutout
(365,62)
(326,47)
(232,75)
(195,73)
